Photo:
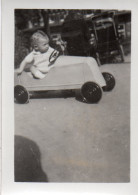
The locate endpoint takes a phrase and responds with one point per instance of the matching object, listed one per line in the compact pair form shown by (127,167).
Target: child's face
(43,45)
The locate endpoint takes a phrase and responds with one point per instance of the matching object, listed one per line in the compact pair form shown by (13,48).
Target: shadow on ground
(53,94)
(27,161)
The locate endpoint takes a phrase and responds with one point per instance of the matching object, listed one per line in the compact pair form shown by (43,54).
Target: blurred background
(102,34)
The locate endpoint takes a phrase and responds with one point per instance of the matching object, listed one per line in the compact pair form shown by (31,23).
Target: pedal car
(71,77)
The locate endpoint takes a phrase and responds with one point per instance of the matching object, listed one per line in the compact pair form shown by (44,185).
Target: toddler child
(39,57)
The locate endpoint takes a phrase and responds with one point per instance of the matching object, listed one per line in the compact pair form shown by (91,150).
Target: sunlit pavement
(78,142)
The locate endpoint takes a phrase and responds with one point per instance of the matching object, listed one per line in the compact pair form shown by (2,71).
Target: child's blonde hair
(36,36)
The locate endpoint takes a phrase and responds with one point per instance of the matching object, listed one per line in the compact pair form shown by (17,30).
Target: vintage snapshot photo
(72,95)
(70,91)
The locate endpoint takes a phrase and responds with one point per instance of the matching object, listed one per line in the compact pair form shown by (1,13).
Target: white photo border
(8,184)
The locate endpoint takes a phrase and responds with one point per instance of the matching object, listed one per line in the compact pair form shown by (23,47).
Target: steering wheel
(54,55)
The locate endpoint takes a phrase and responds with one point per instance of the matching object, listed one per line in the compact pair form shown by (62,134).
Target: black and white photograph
(69,97)
(72,95)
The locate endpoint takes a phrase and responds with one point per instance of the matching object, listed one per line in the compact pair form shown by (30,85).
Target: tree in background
(25,21)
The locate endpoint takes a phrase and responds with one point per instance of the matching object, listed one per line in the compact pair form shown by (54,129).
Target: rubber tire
(21,95)
(91,92)
(110,81)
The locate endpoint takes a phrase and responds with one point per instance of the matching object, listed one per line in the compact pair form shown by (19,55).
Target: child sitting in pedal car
(40,61)
(39,57)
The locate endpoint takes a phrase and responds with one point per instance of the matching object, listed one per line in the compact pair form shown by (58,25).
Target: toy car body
(65,77)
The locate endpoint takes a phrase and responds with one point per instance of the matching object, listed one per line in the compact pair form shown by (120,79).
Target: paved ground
(61,139)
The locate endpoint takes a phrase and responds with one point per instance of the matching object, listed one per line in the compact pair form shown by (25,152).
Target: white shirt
(39,60)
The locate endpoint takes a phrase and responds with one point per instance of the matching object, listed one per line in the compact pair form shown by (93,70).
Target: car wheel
(21,95)
(110,81)
(91,92)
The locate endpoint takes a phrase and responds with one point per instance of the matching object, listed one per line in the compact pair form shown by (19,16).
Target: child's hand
(18,71)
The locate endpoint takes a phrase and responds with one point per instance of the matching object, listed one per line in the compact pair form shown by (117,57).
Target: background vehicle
(107,44)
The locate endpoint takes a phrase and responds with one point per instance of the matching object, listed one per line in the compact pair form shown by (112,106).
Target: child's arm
(27,60)
(21,68)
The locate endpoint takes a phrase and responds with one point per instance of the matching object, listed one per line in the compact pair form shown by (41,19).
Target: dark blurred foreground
(27,161)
